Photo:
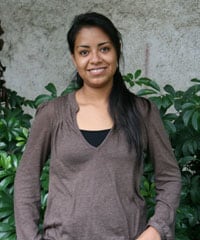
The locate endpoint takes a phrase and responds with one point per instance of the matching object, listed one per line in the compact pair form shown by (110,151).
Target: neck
(95,95)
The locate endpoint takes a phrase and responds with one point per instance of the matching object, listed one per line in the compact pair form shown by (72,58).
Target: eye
(105,49)
(83,53)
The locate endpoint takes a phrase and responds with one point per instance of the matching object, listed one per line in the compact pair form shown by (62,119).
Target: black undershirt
(95,138)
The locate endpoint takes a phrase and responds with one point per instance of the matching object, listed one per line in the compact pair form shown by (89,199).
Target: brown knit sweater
(93,191)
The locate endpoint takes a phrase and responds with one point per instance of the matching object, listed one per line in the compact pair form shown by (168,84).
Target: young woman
(96,138)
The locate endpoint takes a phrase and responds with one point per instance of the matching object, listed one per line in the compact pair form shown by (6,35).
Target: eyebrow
(100,44)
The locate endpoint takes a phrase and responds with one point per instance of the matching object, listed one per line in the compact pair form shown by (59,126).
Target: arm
(27,180)
(167,176)
(150,234)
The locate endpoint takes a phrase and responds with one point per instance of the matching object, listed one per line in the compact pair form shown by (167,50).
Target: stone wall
(160,37)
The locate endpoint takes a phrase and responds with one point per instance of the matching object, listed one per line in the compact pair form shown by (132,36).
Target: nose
(95,57)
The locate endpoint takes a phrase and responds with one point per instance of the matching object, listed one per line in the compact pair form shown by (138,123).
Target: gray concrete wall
(161,37)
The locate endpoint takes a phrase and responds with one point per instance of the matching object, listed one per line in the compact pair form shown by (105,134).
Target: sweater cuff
(158,228)
(166,232)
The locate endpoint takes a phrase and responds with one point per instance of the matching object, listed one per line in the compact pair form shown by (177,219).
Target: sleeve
(167,175)
(27,180)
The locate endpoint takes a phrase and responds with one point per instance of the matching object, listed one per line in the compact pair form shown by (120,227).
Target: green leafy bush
(180,112)
(14,129)
(14,125)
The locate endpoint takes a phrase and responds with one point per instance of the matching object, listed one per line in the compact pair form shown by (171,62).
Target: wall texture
(161,37)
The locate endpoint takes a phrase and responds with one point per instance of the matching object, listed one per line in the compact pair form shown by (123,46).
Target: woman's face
(95,57)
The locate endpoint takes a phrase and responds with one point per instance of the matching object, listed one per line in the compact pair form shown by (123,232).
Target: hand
(150,234)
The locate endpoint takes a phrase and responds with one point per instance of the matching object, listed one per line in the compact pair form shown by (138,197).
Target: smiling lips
(97,71)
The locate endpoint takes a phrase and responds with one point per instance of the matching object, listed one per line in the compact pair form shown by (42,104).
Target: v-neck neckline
(100,145)
(75,110)
(95,137)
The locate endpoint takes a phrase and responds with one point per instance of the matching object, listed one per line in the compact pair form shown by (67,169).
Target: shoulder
(146,107)
(56,103)
(49,106)
(53,109)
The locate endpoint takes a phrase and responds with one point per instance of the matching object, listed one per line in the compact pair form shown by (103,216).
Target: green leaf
(129,76)
(70,88)
(195,80)
(169,89)
(146,185)
(148,82)
(2,145)
(192,90)
(185,160)
(6,181)
(170,116)
(42,98)
(144,92)
(167,101)
(4,227)
(52,89)
(137,73)
(3,174)
(20,144)
(5,212)
(188,105)
(196,120)
(157,100)
(18,138)
(5,161)
(25,132)
(169,126)
(129,79)
(6,199)
(187,148)
(187,116)
(44,200)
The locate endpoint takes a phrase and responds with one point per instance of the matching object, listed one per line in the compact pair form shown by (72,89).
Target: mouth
(97,70)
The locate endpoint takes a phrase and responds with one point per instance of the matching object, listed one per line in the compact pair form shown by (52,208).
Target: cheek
(79,65)
(78,62)
(114,65)
(82,62)
(113,61)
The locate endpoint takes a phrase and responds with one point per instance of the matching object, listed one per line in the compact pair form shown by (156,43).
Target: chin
(99,84)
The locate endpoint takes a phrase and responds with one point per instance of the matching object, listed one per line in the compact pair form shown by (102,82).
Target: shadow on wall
(2,70)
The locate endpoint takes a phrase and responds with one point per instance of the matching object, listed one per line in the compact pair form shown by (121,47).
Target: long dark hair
(122,103)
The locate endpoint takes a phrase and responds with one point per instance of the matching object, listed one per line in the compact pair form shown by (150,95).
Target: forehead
(88,35)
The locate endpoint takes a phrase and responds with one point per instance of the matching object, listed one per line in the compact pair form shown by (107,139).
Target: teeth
(97,70)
